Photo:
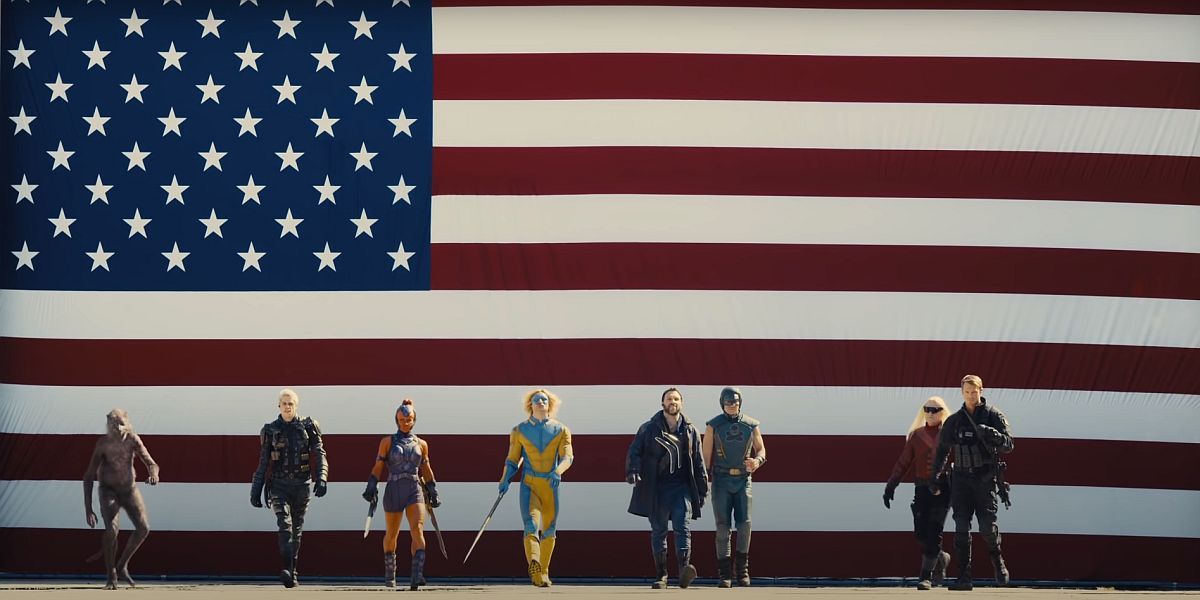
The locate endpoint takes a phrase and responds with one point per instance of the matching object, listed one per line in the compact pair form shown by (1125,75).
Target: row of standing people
(668,464)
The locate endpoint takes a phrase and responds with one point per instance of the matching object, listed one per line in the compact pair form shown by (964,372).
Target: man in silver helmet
(733,446)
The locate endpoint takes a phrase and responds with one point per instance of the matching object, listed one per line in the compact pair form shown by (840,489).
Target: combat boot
(389,569)
(725,572)
(1000,569)
(660,572)
(939,568)
(687,571)
(742,566)
(926,577)
(418,566)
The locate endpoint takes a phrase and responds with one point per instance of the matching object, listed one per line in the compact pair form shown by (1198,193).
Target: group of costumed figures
(674,470)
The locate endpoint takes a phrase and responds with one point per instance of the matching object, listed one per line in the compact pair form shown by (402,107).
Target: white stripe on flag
(715,30)
(604,314)
(816,220)
(601,507)
(613,410)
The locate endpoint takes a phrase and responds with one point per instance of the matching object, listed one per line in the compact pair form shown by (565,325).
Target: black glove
(633,478)
(319,488)
(371,494)
(991,434)
(889,494)
(431,495)
(256,490)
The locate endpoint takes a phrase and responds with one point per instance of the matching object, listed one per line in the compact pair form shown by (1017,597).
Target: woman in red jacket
(929,507)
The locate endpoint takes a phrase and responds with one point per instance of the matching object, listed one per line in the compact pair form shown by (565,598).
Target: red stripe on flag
(1186,7)
(479,458)
(1075,558)
(817,79)
(818,172)
(781,267)
(598,362)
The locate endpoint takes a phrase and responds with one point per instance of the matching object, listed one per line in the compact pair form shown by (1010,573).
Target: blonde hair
(919,422)
(974,380)
(551,408)
(289,392)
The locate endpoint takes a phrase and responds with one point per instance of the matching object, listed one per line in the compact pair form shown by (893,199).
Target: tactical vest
(733,442)
(290,444)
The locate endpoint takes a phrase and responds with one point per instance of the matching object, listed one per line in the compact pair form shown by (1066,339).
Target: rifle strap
(978,434)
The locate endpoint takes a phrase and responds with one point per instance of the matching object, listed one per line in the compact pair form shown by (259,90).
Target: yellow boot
(533,555)
(547,553)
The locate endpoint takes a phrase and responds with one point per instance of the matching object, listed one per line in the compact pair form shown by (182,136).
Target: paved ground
(262,591)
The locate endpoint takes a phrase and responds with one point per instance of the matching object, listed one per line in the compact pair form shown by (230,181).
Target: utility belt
(739,472)
(400,476)
(980,471)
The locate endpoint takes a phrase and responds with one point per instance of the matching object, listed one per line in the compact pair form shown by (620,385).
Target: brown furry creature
(112,465)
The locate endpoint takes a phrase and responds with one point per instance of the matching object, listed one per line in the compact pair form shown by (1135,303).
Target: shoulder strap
(978,434)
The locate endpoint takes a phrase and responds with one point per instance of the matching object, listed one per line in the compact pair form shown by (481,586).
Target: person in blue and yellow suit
(544,446)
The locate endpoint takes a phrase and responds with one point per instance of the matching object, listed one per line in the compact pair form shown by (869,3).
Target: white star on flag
(362,91)
(137,225)
(96,56)
(58,89)
(362,26)
(403,124)
(100,257)
(327,191)
(134,25)
(96,122)
(289,158)
(400,258)
(402,59)
(324,124)
(136,158)
(209,91)
(133,89)
(362,158)
(286,26)
(327,257)
(62,158)
(58,23)
(61,224)
(210,25)
(289,225)
(174,190)
(21,55)
(401,191)
(171,58)
(250,191)
(171,123)
(363,224)
(23,121)
(175,258)
(247,124)
(324,58)
(212,158)
(286,90)
(251,258)
(24,190)
(99,191)
(212,225)
(24,256)
(248,57)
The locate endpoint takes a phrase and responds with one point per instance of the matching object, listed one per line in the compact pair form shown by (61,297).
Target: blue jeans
(731,497)
(671,505)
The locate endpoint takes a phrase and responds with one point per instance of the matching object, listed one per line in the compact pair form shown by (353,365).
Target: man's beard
(671,409)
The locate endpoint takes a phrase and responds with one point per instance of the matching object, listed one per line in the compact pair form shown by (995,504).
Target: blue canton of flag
(214,146)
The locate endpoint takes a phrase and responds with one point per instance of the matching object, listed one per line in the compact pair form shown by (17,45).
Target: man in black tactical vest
(670,483)
(734,448)
(288,446)
(978,433)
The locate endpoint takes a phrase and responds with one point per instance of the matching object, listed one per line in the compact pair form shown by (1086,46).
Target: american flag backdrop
(840,207)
